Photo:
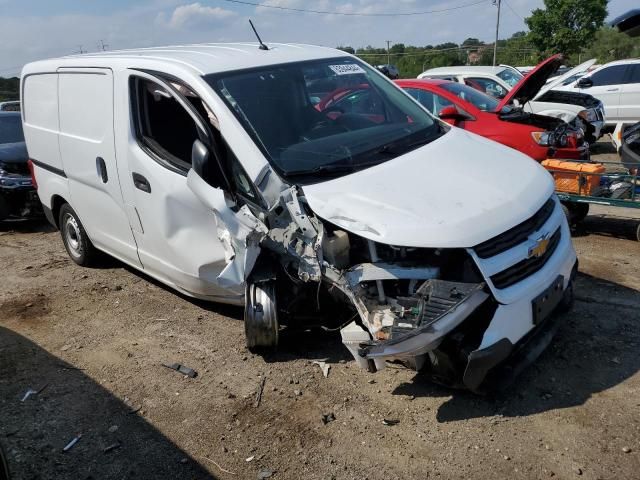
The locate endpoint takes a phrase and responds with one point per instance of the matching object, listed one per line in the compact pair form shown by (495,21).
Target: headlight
(543,138)
(588,115)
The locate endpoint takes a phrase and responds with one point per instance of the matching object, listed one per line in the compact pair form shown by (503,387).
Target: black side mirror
(205,166)
(200,159)
(585,83)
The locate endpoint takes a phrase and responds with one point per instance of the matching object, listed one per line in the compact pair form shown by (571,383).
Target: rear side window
(425,98)
(634,77)
(613,75)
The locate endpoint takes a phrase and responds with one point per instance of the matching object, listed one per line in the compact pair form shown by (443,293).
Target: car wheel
(75,238)
(261,316)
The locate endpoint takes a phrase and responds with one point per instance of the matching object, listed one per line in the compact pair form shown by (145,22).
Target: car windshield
(510,76)
(480,100)
(11,129)
(325,117)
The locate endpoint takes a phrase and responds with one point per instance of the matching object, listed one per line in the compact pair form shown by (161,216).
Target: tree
(611,45)
(566,26)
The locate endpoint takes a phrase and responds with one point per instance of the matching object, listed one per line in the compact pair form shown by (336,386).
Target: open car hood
(455,192)
(527,88)
(583,67)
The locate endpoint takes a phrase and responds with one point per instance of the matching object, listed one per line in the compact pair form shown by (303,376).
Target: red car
(538,136)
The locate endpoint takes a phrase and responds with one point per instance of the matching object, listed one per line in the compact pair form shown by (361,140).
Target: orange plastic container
(568,178)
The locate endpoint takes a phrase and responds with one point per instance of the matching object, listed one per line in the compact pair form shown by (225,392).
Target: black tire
(579,211)
(638,232)
(75,238)
(567,213)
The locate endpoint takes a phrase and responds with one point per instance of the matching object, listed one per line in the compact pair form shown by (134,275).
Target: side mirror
(454,114)
(584,83)
(206,166)
(200,159)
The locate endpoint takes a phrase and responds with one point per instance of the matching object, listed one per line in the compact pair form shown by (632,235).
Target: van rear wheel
(75,238)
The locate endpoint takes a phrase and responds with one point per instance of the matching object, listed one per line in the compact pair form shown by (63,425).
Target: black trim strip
(49,168)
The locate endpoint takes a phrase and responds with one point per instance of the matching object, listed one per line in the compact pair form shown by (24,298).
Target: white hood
(457,191)
(583,67)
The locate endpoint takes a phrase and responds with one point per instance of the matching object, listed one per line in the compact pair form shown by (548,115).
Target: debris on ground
(390,422)
(189,372)
(328,417)
(264,473)
(219,467)
(110,448)
(70,445)
(259,392)
(324,366)
(31,391)
(249,459)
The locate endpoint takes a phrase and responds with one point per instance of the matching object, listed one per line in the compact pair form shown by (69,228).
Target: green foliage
(610,45)
(565,26)
(9,88)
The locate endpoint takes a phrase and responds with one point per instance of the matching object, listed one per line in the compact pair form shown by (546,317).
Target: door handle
(102,169)
(612,89)
(141,183)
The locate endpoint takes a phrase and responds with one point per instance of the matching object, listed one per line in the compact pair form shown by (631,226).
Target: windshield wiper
(331,168)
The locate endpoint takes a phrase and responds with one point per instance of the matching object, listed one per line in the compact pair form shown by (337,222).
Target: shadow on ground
(595,349)
(26,226)
(71,403)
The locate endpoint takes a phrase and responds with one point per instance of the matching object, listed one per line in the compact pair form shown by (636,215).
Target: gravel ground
(91,342)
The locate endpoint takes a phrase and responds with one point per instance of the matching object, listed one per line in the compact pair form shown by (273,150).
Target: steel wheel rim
(72,235)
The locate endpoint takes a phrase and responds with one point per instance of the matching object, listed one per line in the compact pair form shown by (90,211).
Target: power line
(354,14)
(513,11)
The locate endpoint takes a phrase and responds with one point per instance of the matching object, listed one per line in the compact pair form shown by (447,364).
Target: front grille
(517,234)
(526,267)
(19,168)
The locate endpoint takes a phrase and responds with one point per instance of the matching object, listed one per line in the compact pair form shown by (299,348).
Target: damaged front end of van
(455,312)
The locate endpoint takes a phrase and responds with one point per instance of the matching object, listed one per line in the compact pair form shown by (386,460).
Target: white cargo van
(227,172)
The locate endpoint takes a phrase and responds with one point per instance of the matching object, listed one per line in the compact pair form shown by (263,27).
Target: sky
(36,29)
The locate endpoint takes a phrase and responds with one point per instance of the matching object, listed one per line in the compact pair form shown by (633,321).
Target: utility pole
(388,53)
(80,50)
(495,45)
(103,46)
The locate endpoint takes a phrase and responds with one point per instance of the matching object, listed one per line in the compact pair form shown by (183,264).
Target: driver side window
(163,127)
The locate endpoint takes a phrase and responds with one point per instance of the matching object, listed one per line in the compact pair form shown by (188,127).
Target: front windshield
(11,129)
(510,76)
(480,100)
(324,117)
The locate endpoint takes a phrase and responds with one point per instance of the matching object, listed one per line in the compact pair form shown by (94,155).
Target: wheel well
(56,204)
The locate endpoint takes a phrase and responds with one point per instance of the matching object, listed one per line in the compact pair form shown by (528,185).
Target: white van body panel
(86,138)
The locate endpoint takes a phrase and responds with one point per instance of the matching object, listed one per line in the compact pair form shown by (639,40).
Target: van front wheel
(75,238)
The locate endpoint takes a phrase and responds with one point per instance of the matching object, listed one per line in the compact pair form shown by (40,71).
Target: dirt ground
(92,341)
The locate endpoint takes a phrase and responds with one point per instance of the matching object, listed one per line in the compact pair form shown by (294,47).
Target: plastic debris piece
(389,422)
(111,447)
(265,473)
(189,372)
(72,443)
(328,417)
(324,366)
(259,392)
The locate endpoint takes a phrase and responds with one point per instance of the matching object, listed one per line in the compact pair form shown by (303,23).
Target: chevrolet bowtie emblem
(540,247)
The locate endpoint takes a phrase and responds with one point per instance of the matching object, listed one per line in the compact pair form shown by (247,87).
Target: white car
(497,81)
(617,85)
(214,169)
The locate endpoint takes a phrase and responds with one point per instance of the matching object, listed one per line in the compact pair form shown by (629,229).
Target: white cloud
(196,15)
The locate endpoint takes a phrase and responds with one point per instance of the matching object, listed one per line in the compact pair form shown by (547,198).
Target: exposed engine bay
(559,129)
(389,302)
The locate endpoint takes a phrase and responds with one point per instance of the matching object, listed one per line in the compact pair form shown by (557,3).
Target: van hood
(583,67)
(455,192)
(527,88)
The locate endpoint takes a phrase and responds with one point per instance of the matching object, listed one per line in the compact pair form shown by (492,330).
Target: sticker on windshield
(347,69)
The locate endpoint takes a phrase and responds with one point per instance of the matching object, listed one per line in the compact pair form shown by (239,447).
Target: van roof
(201,58)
